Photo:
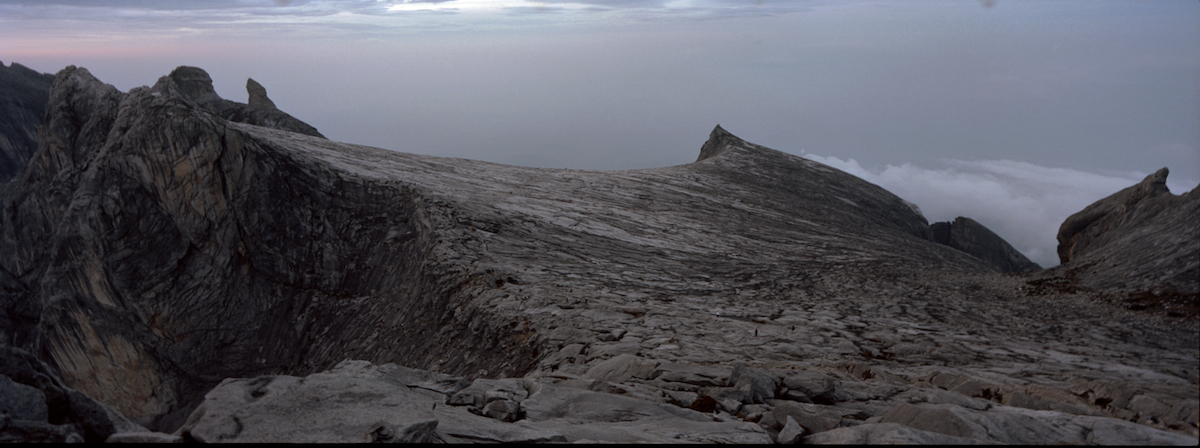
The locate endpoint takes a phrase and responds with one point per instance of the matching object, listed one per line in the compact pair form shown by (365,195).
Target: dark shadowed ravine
(218,271)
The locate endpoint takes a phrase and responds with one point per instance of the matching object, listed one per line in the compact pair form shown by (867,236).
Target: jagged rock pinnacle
(258,95)
(718,142)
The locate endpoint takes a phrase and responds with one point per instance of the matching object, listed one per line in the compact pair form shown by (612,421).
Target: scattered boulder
(757,385)
(791,433)
(814,387)
(814,418)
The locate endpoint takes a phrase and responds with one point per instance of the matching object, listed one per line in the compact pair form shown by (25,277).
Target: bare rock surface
(360,402)
(157,247)
(23,96)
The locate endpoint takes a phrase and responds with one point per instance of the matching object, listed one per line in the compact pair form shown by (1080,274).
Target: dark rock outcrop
(258,95)
(35,406)
(1141,244)
(23,97)
(156,247)
(969,236)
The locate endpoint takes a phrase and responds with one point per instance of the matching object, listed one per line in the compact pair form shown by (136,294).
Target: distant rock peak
(258,95)
(969,236)
(194,84)
(1078,230)
(1155,183)
(719,141)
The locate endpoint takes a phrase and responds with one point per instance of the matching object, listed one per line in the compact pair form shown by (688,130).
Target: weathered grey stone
(503,410)
(815,418)
(553,401)
(758,385)
(621,368)
(791,433)
(885,434)
(818,387)
(705,376)
(483,391)
(143,437)
(1011,425)
(340,406)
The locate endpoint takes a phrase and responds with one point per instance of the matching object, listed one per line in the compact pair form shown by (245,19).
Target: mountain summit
(164,240)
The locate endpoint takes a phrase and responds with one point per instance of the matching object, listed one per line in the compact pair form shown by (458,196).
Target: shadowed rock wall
(23,96)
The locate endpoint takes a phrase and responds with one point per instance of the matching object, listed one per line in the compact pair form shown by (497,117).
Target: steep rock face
(165,262)
(23,96)
(155,248)
(1141,243)
(969,236)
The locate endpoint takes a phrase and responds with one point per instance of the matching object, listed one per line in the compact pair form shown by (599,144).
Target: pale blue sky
(1017,114)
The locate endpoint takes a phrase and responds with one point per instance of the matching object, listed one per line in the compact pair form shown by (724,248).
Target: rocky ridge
(969,236)
(176,248)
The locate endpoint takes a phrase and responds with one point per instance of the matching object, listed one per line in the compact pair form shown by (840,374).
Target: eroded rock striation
(23,96)
(198,272)
(969,236)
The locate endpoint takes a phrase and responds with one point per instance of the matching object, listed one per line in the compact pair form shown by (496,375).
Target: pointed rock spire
(258,95)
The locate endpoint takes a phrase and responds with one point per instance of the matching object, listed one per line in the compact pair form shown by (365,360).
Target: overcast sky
(1014,113)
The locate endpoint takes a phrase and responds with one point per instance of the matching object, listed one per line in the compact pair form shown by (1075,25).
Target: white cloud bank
(1022,202)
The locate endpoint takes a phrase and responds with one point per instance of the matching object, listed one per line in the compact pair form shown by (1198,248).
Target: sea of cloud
(1022,202)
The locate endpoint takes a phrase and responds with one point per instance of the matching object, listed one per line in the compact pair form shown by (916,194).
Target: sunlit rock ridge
(163,240)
